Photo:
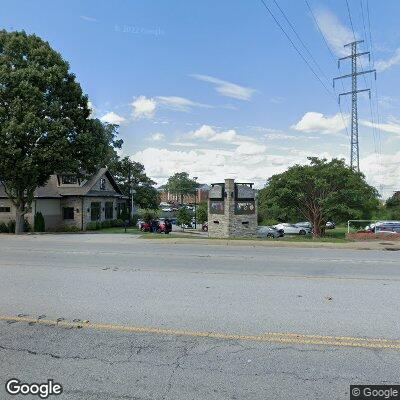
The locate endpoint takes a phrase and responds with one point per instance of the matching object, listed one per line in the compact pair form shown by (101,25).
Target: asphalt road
(117,317)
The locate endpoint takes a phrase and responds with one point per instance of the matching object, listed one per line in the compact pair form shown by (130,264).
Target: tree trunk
(19,220)
(317,232)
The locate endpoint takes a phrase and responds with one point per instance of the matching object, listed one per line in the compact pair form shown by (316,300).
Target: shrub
(184,216)
(11,226)
(93,226)
(148,216)
(3,228)
(65,228)
(39,224)
(106,224)
(27,226)
(119,222)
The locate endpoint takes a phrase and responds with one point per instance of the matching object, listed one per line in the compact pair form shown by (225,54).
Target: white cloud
(92,108)
(210,134)
(226,88)
(383,65)
(204,132)
(317,122)
(225,136)
(382,171)
(179,103)
(283,136)
(112,118)
(183,144)
(144,107)
(213,165)
(250,148)
(390,127)
(88,18)
(157,137)
(334,31)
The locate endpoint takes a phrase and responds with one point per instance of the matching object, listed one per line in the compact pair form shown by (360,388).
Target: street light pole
(195,204)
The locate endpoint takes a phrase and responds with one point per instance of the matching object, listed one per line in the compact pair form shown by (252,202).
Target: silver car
(269,232)
(291,229)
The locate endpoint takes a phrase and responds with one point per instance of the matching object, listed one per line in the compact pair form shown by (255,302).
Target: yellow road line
(274,337)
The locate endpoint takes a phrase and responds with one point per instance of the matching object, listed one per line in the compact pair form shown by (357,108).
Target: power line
(300,40)
(320,31)
(334,59)
(295,47)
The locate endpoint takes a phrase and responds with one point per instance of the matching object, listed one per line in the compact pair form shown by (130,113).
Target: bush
(148,216)
(119,223)
(39,224)
(93,226)
(184,216)
(27,226)
(11,226)
(65,228)
(106,224)
(202,212)
(3,228)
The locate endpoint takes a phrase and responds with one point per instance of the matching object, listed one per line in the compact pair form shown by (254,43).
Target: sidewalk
(360,245)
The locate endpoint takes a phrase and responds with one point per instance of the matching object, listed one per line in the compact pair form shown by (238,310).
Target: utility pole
(355,148)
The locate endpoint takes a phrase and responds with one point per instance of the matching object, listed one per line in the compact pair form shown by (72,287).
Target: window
(102,184)
(69,180)
(5,209)
(68,212)
(109,210)
(95,211)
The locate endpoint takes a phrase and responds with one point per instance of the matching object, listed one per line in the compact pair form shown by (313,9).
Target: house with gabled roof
(67,200)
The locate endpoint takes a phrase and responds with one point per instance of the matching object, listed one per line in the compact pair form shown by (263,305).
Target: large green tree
(131,175)
(392,207)
(45,124)
(180,184)
(318,192)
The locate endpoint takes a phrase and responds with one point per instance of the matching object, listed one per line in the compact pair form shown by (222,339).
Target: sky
(216,89)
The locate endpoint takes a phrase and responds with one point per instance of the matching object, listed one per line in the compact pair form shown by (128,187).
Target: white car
(166,209)
(290,229)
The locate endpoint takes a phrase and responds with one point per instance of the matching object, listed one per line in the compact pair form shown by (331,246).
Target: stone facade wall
(102,201)
(7,216)
(229,224)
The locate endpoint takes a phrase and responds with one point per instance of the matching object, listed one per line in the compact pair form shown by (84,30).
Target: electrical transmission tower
(355,151)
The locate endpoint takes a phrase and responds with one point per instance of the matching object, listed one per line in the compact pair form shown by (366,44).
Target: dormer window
(69,180)
(102,184)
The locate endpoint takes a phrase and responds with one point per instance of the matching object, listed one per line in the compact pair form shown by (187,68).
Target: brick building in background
(201,195)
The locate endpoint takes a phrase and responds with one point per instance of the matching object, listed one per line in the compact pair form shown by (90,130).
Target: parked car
(145,227)
(290,229)
(166,209)
(330,225)
(269,232)
(304,224)
(385,227)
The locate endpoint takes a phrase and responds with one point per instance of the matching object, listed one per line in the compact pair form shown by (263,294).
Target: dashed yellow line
(274,337)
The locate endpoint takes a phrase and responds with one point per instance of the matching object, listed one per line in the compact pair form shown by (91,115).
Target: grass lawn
(337,235)
(133,230)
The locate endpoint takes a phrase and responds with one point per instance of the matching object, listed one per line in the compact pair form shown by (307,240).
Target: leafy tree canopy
(180,184)
(184,216)
(130,174)
(393,207)
(45,124)
(202,212)
(319,192)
